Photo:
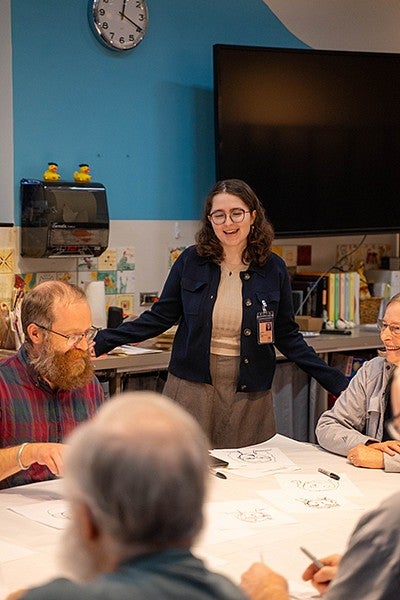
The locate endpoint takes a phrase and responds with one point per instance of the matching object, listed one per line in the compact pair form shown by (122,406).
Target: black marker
(329,474)
(218,474)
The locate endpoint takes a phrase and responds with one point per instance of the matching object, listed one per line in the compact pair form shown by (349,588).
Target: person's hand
(366,456)
(321,578)
(391,447)
(261,583)
(45,453)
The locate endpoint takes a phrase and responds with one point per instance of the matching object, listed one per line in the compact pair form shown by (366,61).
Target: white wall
(365,25)
(152,241)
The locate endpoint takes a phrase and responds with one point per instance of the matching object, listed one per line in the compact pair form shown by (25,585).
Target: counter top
(360,339)
(139,363)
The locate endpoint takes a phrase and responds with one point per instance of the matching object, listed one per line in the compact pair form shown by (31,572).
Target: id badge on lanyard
(265,325)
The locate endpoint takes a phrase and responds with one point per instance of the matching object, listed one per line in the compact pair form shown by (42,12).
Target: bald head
(141,466)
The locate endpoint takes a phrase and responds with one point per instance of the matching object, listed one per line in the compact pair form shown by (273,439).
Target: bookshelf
(331,295)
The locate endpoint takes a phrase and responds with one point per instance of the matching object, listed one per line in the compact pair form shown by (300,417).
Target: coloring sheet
(53,513)
(234,519)
(305,501)
(317,482)
(12,552)
(256,461)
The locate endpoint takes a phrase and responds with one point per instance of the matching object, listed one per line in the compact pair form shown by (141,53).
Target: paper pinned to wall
(95,293)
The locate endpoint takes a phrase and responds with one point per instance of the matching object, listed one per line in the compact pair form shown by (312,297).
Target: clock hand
(123,10)
(130,21)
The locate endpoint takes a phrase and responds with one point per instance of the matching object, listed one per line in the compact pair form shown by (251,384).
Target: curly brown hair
(261,234)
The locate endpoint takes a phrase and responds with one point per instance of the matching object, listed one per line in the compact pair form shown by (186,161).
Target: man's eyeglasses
(394,329)
(236,215)
(74,338)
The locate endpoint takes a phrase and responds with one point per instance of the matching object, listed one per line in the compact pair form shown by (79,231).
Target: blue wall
(143,120)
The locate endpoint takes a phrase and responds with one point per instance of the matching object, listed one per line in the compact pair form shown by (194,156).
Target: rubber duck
(51,172)
(83,173)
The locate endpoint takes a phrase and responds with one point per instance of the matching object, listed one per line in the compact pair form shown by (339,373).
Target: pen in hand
(313,558)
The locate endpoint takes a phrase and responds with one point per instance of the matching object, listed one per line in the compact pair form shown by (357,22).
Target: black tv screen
(315,133)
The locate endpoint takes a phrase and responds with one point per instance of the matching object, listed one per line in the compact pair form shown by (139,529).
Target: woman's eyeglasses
(382,325)
(236,215)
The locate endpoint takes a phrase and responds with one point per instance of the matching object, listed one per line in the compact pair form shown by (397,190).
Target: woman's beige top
(227,314)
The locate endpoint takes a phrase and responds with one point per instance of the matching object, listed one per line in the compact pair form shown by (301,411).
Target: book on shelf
(332,295)
(356,298)
(314,289)
(351,295)
(337,298)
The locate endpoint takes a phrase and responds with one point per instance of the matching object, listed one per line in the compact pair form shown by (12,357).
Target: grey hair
(38,304)
(393,299)
(141,466)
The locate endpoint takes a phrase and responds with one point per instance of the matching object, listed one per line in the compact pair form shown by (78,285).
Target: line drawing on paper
(253,515)
(253,456)
(58,514)
(314,485)
(322,502)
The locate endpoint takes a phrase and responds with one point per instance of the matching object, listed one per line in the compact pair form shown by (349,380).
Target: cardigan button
(248,302)
(246,360)
(243,388)
(247,332)
(247,276)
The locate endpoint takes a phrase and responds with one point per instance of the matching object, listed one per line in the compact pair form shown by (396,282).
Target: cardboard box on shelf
(307,323)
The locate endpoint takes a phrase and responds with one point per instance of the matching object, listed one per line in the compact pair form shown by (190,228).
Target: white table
(322,533)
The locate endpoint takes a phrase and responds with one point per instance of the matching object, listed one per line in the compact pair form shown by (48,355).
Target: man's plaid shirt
(30,411)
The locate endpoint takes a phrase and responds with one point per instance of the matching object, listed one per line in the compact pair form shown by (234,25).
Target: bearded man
(49,386)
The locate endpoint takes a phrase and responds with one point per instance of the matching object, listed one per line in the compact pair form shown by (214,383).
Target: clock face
(119,24)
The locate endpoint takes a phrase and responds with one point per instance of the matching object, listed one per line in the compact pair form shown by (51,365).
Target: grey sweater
(358,414)
(370,567)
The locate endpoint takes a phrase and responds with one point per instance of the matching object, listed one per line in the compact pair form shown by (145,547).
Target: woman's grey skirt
(231,419)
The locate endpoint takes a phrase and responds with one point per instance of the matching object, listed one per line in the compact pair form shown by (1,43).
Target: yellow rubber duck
(51,173)
(83,173)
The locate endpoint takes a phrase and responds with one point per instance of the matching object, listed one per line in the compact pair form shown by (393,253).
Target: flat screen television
(315,133)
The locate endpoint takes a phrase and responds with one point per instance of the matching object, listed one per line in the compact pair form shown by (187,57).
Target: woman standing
(232,300)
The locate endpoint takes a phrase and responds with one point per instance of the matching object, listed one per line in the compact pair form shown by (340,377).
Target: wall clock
(118,24)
